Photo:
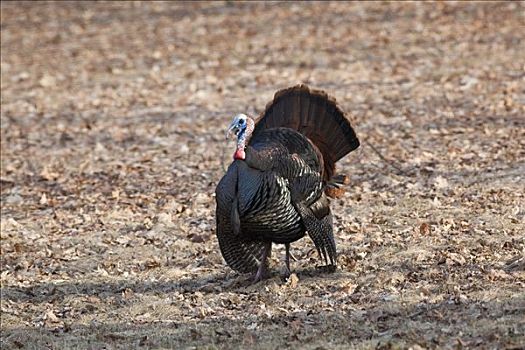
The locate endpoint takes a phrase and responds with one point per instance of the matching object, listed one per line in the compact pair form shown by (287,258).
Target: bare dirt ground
(112,124)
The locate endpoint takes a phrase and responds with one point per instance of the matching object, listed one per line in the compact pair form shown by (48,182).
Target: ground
(112,142)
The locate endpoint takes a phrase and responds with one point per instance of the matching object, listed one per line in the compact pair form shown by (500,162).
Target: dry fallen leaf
(51,317)
(43,199)
(440,182)
(424,229)
(116,112)
(293,280)
(47,81)
(195,238)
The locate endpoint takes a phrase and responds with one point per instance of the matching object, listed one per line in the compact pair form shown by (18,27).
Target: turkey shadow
(50,292)
(228,281)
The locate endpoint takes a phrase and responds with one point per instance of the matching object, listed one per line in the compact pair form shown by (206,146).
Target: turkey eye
(241,121)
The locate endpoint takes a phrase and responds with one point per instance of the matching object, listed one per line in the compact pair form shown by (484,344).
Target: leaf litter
(112,145)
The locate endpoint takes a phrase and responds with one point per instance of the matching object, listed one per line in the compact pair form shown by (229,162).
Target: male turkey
(277,186)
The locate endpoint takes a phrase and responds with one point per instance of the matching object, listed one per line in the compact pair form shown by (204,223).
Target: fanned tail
(317,116)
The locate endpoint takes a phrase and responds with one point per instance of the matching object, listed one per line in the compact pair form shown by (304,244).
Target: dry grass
(112,139)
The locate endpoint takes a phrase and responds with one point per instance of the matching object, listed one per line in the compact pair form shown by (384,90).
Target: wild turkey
(277,186)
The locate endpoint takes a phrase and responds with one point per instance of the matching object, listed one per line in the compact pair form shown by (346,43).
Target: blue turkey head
(242,127)
(238,125)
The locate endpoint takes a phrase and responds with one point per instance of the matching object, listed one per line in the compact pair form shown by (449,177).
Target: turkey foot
(262,271)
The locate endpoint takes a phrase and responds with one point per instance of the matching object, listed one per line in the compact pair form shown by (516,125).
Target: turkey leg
(262,271)
(287,271)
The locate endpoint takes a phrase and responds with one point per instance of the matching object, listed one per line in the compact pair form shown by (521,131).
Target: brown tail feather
(316,115)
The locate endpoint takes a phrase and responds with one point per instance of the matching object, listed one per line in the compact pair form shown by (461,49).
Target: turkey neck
(243,138)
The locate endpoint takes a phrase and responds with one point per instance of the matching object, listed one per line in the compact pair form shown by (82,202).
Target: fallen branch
(383,158)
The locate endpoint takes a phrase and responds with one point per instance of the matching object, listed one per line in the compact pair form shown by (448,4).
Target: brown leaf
(18,247)
(51,317)
(151,264)
(197,238)
(48,174)
(424,229)
(293,280)
(127,293)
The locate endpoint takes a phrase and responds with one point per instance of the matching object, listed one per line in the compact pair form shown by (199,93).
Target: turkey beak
(233,129)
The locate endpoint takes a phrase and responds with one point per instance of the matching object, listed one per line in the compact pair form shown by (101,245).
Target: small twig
(383,158)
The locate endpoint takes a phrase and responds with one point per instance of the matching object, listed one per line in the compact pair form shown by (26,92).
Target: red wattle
(239,154)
